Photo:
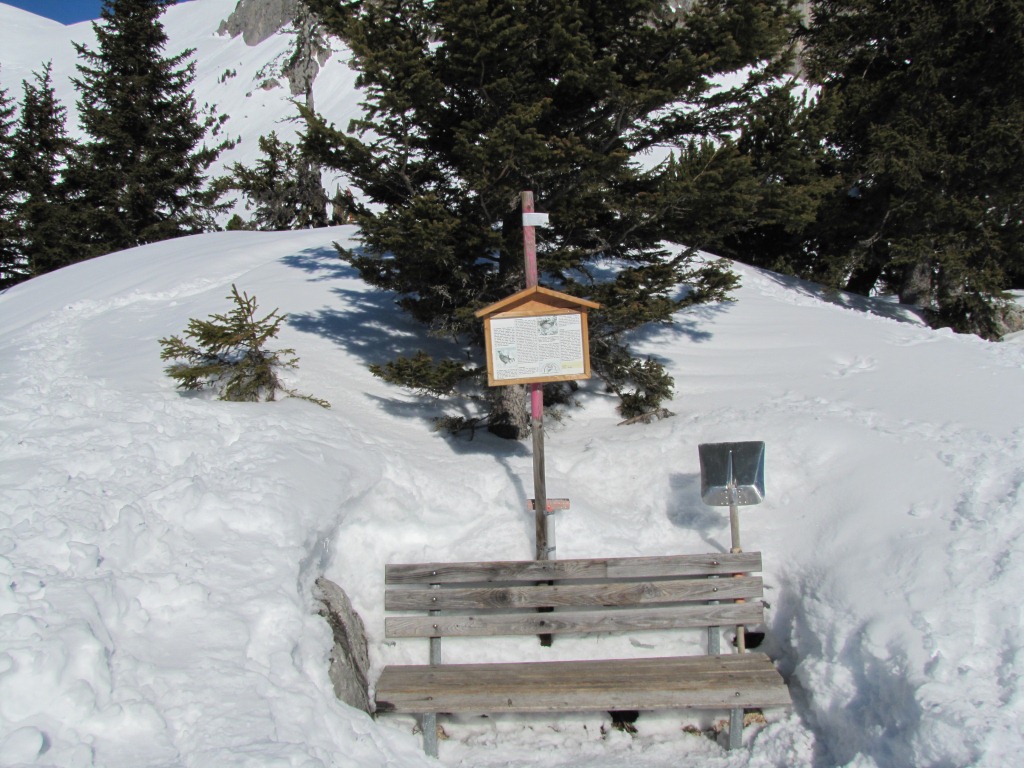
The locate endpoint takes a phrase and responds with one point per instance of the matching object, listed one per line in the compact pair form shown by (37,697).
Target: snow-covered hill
(243,82)
(158,550)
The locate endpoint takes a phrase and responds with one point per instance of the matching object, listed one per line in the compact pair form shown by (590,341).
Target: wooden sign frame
(536,336)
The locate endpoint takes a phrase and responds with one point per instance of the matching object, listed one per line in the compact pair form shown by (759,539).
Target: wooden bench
(580,597)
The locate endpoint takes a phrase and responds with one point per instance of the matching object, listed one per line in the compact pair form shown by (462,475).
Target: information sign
(537,347)
(535,336)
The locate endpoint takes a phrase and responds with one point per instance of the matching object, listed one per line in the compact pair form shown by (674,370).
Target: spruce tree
(469,103)
(228,353)
(791,175)
(47,235)
(13,267)
(283,188)
(926,102)
(143,167)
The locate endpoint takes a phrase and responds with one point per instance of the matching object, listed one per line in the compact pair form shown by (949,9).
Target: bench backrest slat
(543,597)
(555,570)
(484,625)
(634,593)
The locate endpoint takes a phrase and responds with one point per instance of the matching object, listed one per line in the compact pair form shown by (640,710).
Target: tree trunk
(510,413)
(916,286)
(510,259)
(510,406)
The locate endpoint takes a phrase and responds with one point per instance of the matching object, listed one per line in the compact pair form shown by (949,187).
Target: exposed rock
(917,286)
(309,51)
(1010,319)
(350,661)
(256,20)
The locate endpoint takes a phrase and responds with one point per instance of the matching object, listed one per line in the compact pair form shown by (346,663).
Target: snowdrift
(158,549)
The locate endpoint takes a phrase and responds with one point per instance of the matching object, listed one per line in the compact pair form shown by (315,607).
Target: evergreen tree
(228,353)
(142,169)
(13,268)
(926,102)
(312,197)
(791,174)
(469,103)
(283,188)
(47,237)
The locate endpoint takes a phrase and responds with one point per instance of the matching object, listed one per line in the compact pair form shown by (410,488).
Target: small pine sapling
(227,353)
(653,385)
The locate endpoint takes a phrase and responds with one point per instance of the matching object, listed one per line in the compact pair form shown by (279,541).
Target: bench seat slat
(573,595)
(724,563)
(485,625)
(705,682)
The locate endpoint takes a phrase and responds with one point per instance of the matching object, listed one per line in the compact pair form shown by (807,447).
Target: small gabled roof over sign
(536,300)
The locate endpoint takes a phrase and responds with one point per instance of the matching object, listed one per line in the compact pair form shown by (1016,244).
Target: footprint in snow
(859,364)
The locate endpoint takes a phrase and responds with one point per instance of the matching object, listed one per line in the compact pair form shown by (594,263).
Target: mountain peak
(256,20)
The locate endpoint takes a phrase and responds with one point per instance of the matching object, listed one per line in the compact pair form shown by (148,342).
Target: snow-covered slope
(243,82)
(157,550)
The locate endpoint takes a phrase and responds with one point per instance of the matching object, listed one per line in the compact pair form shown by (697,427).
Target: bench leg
(428,724)
(714,641)
(735,728)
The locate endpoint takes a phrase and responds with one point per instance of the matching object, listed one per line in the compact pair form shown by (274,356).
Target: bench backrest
(577,596)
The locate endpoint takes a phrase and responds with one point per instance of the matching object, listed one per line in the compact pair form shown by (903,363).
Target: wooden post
(545,531)
(736,714)
(545,538)
(529,243)
(734,524)
(543,523)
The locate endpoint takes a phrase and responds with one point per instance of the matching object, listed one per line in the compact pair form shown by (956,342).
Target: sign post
(532,337)
(545,531)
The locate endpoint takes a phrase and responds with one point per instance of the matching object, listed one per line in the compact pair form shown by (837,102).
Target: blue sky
(64,11)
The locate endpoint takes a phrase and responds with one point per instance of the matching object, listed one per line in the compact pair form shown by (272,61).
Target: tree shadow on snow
(888,308)
(690,323)
(368,324)
(323,263)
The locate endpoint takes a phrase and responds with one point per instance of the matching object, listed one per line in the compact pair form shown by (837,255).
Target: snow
(243,82)
(158,549)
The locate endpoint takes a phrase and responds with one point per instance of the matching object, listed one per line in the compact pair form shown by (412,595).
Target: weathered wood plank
(713,564)
(574,595)
(704,682)
(612,620)
(553,570)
